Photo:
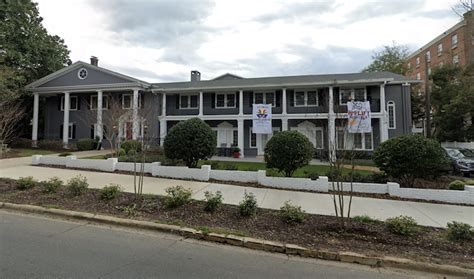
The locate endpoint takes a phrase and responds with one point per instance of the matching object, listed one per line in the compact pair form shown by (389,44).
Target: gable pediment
(81,74)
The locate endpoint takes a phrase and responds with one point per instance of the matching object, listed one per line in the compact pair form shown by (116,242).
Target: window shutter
(120,101)
(213,100)
(73,131)
(177,100)
(250,95)
(61,131)
(291,94)
(278,94)
(78,102)
(59,102)
(92,131)
(142,101)
(336,96)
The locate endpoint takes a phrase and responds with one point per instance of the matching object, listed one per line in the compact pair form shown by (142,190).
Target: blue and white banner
(262,119)
(358,117)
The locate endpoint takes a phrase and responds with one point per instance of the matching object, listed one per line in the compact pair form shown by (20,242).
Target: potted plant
(236,152)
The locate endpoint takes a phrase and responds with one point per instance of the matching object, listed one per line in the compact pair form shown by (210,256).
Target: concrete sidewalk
(424,213)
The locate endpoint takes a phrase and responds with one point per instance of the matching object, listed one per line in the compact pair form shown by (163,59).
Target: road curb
(248,242)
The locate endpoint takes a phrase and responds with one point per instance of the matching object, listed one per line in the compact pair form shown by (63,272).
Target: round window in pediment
(82,73)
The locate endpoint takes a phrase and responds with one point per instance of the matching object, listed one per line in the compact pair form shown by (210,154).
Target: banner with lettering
(262,119)
(358,117)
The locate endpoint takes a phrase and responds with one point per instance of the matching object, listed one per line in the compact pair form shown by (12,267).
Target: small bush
(21,143)
(292,213)
(110,192)
(77,186)
(85,144)
(122,152)
(213,201)
(456,185)
(365,219)
(52,185)
(230,166)
(380,177)
(131,146)
(214,165)
(50,144)
(313,175)
(177,196)
(248,206)
(402,225)
(64,154)
(458,231)
(25,183)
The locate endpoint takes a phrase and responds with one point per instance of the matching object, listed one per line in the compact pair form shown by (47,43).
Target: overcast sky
(160,41)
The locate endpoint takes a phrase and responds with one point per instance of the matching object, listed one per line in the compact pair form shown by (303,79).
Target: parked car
(461,163)
(468,153)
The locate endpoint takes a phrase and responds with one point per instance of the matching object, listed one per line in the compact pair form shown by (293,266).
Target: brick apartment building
(453,46)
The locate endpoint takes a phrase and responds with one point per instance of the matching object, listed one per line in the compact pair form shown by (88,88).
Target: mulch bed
(317,231)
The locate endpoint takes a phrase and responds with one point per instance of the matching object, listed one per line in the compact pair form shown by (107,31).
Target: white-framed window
(441,64)
(418,62)
(226,135)
(105,102)
(306,98)
(73,103)
(429,71)
(319,138)
(188,101)
(428,56)
(456,59)
(418,76)
(409,65)
(348,94)
(391,115)
(70,131)
(253,139)
(82,73)
(225,100)
(440,49)
(264,98)
(357,141)
(454,40)
(127,101)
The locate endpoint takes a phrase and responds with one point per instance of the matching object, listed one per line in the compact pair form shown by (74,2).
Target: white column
(34,135)
(163,105)
(163,130)
(283,103)
(66,120)
(135,126)
(331,127)
(240,134)
(384,119)
(99,131)
(201,104)
(284,124)
(241,102)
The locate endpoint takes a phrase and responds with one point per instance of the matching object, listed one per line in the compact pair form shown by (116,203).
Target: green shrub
(64,154)
(21,143)
(214,165)
(365,219)
(77,186)
(459,231)
(334,174)
(177,196)
(122,152)
(402,225)
(131,146)
(110,192)
(248,206)
(25,183)
(52,185)
(456,185)
(287,151)
(313,175)
(470,182)
(409,157)
(191,140)
(50,144)
(85,144)
(292,213)
(379,177)
(213,201)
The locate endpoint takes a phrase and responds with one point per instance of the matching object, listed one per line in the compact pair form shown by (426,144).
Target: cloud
(375,9)
(296,12)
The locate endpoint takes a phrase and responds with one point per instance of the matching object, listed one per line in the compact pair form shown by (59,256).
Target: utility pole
(427,99)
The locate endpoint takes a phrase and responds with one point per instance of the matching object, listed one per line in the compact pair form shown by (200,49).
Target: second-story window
(105,102)
(127,101)
(428,56)
(188,101)
(418,61)
(409,65)
(306,98)
(418,76)
(456,59)
(440,49)
(264,98)
(73,103)
(348,94)
(225,100)
(454,40)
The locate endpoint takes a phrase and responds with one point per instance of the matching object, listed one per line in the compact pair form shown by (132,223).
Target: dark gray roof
(282,81)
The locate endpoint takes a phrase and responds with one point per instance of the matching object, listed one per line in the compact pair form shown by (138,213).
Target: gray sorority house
(77,98)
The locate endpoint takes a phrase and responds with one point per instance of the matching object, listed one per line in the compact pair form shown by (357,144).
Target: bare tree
(112,118)
(11,113)
(462,7)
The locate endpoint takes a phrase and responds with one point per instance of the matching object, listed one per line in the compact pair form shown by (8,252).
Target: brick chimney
(195,76)
(94,61)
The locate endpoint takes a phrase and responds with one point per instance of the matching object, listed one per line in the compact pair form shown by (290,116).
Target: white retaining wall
(456,144)
(205,173)
(126,166)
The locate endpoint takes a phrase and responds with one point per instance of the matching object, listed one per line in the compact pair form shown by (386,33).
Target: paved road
(39,247)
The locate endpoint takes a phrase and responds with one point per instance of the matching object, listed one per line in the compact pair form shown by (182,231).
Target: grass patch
(96,157)
(27,152)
